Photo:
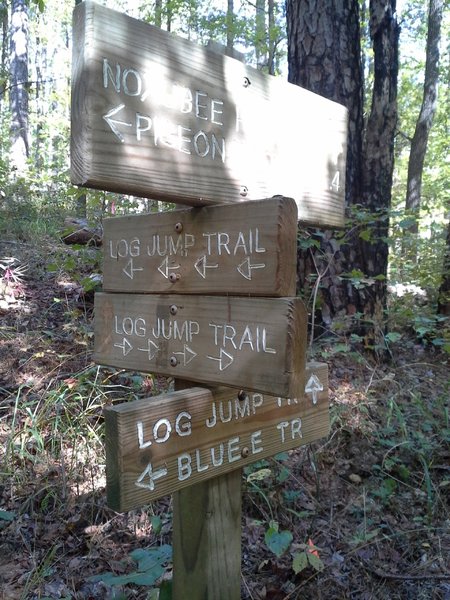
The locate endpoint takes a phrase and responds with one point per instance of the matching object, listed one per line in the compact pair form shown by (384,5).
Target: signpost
(203,294)
(159,445)
(160,117)
(256,343)
(249,249)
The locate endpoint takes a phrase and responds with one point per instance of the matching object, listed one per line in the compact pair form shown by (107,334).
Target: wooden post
(207,539)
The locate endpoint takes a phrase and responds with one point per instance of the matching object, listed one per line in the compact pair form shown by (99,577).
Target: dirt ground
(371,501)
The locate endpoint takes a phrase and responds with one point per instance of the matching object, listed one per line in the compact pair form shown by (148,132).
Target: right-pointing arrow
(125,345)
(224,359)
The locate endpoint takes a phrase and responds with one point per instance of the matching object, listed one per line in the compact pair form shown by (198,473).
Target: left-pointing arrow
(125,345)
(129,270)
(152,477)
(114,122)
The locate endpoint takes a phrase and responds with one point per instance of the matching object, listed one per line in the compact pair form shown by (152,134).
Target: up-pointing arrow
(152,477)
(113,122)
(314,386)
(125,345)
(129,270)
(224,359)
(246,268)
(201,266)
(164,267)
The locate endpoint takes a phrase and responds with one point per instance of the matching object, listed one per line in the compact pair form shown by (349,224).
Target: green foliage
(150,566)
(277,541)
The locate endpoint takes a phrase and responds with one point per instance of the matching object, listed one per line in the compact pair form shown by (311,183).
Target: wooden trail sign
(159,445)
(252,343)
(250,248)
(158,116)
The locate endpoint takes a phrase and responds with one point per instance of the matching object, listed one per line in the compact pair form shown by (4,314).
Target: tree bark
(18,95)
(230,24)
(424,122)
(324,56)
(444,290)
(260,34)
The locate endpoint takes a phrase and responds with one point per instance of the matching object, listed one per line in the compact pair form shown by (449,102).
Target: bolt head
(173,361)
(173,309)
(179,227)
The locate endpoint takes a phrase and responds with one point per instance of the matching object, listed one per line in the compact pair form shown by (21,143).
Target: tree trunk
(378,165)
(444,290)
(427,112)
(271,58)
(324,56)
(260,34)
(18,94)
(158,13)
(230,24)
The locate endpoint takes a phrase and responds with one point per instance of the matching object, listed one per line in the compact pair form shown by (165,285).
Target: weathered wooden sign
(254,343)
(158,445)
(250,248)
(158,116)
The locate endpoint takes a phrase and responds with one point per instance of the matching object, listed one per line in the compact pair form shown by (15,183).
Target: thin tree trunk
(230,24)
(260,33)
(271,58)
(378,161)
(18,84)
(158,13)
(444,290)
(428,109)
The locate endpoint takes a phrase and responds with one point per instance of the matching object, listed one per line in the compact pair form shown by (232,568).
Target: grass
(373,498)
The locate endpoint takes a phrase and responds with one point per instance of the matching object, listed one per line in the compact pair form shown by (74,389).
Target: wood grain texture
(249,248)
(194,434)
(252,343)
(207,539)
(158,116)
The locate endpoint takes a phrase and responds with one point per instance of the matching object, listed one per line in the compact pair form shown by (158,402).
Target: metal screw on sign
(173,309)
(178,227)
(173,361)
(242,395)
(245,452)
(246,82)
(244,190)
(173,277)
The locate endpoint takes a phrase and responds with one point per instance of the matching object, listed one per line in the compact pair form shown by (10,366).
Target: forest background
(377,292)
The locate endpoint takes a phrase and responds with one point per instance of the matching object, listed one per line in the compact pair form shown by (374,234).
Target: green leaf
(315,562)
(259,475)
(6,515)
(393,336)
(299,562)
(165,592)
(366,235)
(277,541)
(156,524)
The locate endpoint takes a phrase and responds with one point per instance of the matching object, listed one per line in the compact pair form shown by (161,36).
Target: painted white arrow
(224,359)
(113,122)
(164,267)
(129,270)
(188,354)
(246,268)
(152,477)
(125,345)
(152,349)
(201,266)
(314,386)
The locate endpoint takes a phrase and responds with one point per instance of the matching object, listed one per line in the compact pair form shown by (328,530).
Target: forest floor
(368,508)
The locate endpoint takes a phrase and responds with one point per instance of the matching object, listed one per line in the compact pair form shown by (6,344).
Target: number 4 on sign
(335,182)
